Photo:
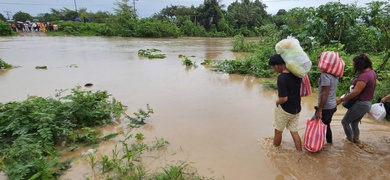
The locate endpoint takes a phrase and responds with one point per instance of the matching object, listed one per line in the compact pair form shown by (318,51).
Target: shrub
(31,129)
(4,65)
(157,29)
(5,29)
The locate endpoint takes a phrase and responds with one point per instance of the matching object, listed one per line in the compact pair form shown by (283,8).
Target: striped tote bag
(305,86)
(315,135)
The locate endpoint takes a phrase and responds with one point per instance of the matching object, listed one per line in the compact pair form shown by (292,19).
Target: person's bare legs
(278,138)
(297,140)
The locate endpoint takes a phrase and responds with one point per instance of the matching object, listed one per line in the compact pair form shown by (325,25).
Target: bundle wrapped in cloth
(330,62)
(297,61)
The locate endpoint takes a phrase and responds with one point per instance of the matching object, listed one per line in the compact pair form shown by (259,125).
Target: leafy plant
(181,171)
(5,29)
(110,136)
(31,129)
(149,53)
(139,136)
(141,115)
(126,162)
(40,67)
(160,143)
(187,62)
(4,65)
(207,62)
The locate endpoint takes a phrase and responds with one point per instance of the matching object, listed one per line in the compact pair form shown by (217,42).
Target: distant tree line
(359,29)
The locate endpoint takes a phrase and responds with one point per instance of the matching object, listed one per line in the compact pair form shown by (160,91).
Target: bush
(31,129)
(4,65)
(190,29)
(82,29)
(5,29)
(361,38)
(157,29)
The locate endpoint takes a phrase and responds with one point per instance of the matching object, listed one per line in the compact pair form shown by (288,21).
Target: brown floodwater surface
(219,123)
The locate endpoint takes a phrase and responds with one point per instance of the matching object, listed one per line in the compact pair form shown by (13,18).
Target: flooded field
(219,123)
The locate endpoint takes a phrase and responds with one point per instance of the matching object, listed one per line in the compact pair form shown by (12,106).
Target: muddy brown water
(219,123)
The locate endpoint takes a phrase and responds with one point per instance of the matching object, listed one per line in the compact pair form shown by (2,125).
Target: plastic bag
(331,63)
(297,61)
(377,111)
(305,86)
(315,135)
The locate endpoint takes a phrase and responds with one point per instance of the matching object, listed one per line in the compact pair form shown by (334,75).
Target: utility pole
(8,14)
(75,6)
(135,11)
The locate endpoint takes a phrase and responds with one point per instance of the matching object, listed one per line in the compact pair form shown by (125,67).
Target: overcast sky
(145,8)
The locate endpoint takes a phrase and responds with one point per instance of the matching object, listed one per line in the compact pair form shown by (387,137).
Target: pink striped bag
(305,86)
(315,135)
(331,63)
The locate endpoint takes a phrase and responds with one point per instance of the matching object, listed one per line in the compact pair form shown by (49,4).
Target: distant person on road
(34,26)
(288,104)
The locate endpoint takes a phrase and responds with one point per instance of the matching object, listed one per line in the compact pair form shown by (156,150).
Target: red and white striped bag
(315,135)
(305,86)
(331,63)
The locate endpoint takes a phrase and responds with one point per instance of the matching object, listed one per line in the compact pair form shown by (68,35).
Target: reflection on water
(220,123)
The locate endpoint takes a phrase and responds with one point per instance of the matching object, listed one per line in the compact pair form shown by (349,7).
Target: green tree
(377,14)
(148,27)
(47,17)
(337,17)
(22,16)
(124,21)
(59,14)
(100,16)
(209,13)
(177,14)
(167,12)
(278,17)
(247,15)
(2,18)
(190,29)
(294,22)
(5,29)
(363,38)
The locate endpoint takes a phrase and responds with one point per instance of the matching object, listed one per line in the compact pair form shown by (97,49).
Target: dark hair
(276,60)
(361,62)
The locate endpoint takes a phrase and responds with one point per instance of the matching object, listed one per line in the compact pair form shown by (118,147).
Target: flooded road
(221,124)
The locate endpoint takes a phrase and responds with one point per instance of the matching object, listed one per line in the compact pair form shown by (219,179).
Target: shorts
(284,119)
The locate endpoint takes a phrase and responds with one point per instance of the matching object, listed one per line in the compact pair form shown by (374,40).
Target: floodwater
(220,124)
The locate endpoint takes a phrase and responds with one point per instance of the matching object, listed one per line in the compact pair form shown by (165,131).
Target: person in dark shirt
(288,104)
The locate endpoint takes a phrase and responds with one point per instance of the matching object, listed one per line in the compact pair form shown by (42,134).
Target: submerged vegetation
(151,53)
(188,62)
(33,129)
(40,67)
(4,65)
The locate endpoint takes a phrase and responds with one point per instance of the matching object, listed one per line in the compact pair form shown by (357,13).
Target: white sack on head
(297,61)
